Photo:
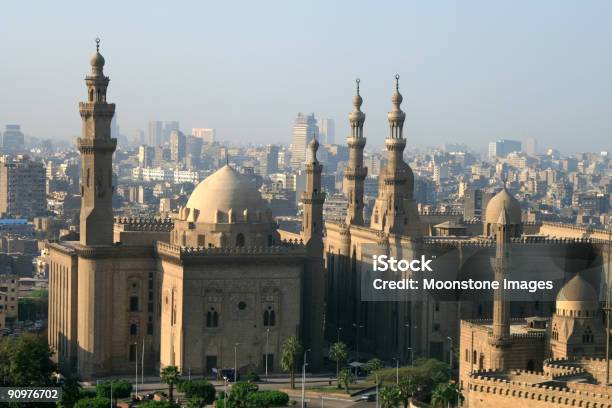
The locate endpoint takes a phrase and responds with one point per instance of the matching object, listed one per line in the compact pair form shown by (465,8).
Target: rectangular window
(150,307)
(149,328)
(133,303)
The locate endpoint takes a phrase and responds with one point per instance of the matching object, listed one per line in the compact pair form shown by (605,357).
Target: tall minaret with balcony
(355,173)
(312,201)
(96,147)
(500,337)
(395,210)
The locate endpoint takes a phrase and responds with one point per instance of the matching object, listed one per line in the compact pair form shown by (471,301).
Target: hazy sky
(471,71)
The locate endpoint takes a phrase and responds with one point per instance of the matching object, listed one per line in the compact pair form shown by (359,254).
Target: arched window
(269,317)
(212,318)
(240,240)
(587,336)
(481,363)
(555,333)
(91,93)
(133,330)
(474,357)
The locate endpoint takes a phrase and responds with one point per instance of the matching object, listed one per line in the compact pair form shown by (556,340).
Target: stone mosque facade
(220,278)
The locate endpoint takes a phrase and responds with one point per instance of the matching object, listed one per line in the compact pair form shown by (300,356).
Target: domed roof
(577,294)
(225,190)
(497,204)
(97,60)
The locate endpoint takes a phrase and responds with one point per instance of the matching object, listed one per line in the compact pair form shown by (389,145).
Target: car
(368,397)
(228,374)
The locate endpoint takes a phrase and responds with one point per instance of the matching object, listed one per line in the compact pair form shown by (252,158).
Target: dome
(577,295)
(396,98)
(226,190)
(97,60)
(497,204)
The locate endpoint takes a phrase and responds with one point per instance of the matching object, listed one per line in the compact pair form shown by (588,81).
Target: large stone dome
(497,204)
(226,194)
(577,295)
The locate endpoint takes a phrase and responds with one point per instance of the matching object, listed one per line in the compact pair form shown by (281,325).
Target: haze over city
(470,71)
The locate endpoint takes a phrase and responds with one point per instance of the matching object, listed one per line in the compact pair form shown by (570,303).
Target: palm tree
(407,388)
(289,354)
(170,375)
(373,364)
(338,352)
(446,394)
(345,377)
(390,397)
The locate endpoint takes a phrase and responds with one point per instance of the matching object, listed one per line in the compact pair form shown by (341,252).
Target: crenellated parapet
(536,388)
(145,224)
(289,247)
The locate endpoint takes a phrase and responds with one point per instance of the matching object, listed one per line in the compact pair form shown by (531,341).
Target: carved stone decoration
(241,306)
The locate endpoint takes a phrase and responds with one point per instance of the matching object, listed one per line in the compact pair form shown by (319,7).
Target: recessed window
(242,305)
(133,303)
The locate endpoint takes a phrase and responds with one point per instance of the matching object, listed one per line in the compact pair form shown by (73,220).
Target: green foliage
(96,402)
(26,362)
(345,377)
(240,395)
(374,364)
(390,397)
(425,376)
(197,389)
(289,354)
(338,353)
(196,403)
(71,392)
(408,387)
(253,376)
(446,394)
(158,404)
(171,376)
(121,389)
(269,398)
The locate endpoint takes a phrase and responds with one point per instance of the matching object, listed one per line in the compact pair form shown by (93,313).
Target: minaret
(96,147)
(395,210)
(314,274)
(355,173)
(500,338)
(312,201)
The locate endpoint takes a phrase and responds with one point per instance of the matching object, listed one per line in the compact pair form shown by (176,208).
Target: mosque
(219,282)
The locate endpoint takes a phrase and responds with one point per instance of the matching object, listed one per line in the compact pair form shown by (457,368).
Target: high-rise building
(13,139)
(503,147)
(155,133)
(22,187)
(146,155)
(206,134)
(304,130)
(169,127)
(531,146)
(327,131)
(269,160)
(177,145)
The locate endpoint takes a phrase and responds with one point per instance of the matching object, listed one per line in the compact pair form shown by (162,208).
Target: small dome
(97,60)
(577,294)
(396,98)
(222,191)
(497,204)
(357,101)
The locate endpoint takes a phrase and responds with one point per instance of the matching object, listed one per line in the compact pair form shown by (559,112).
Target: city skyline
(473,73)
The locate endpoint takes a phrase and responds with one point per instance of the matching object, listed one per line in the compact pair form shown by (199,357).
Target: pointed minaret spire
(96,146)
(355,173)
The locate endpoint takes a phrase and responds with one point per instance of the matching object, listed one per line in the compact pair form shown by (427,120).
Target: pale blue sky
(472,71)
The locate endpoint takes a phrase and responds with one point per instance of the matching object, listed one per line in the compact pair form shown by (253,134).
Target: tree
(407,388)
(158,404)
(26,362)
(96,402)
(345,377)
(198,389)
(121,389)
(240,394)
(289,356)
(71,392)
(373,364)
(170,375)
(390,397)
(446,394)
(338,352)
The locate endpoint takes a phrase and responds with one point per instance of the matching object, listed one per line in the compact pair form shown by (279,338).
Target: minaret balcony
(87,145)
(355,173)
(356,142)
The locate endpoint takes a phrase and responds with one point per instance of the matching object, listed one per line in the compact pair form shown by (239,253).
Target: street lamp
(267,340)
(396,370)
(304,376)
(235,361)
(450,353)
(136,361)
(339,330)
(376,377)
(357,327)
(411,360)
